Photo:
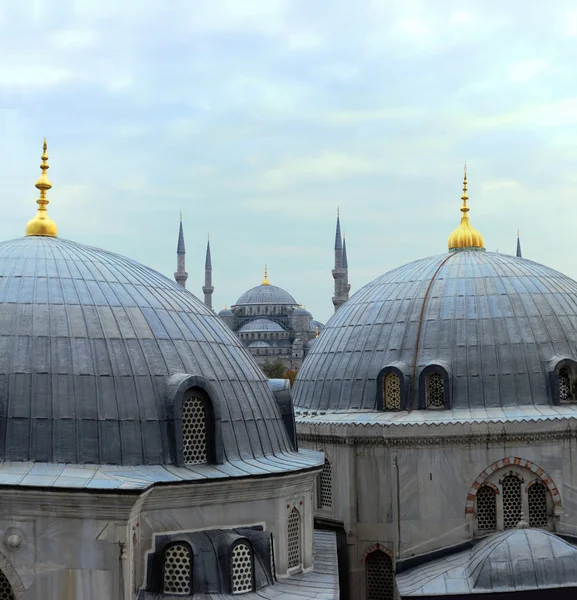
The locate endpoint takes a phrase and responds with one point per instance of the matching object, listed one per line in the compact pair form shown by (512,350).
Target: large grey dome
(497,324)
(88,340)
(266,294)
(261,325)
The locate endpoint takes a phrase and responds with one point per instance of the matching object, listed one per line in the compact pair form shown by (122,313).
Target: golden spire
(265,281)
(42,224)
(181,216)
(317,331)
(465,236)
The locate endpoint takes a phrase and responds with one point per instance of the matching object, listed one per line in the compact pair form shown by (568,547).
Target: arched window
(486,508)
(537,500)
(512,501)
(564,385)
(392,390)
(325,486)
(294,539)
(177,570)
(379,570)
(6,591)
(435,391)
(242,568)
(194,446)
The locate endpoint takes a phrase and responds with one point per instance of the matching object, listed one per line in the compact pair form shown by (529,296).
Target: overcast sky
(258,118)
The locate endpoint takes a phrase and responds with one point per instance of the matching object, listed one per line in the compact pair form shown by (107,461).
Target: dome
(226,312)
(259,344)
(265,294)
(497,324)
(89,340)
(260,325)
(315,324)
(299,311)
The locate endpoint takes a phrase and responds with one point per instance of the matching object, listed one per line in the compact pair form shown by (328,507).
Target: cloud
(30,76)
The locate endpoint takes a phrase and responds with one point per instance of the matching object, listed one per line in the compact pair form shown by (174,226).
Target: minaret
(519,255)
(181,275)
(42,224)
(340,274)
(208,288)
(347,285)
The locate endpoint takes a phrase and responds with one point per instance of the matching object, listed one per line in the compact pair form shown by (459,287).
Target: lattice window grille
(537,499)
(380,584)
(294,539)
(392,392)
(6,592)
(435,391)
(326,481)
(177,570)
(194,431)
(486,508)
(241,569)
(564,385)
(512,502)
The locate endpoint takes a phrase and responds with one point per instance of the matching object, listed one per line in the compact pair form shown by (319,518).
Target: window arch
(512,500)
(294,539)
(194,430)
(537,501)
(565,394)
(325,486)
(242,568)
(379,576)
(487,508)
(177,572)
(435,390)
(392,391)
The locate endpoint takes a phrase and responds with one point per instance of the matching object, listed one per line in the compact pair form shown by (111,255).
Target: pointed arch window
(379,576)
(392,391)
(177,572)
(486,508)
(294,539)
(325,486)
(435,390)
(565,394)
(194,429)
(537,501)
(242,566)
(512,500)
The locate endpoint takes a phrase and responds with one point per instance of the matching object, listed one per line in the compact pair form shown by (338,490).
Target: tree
(274,370)
(291,375)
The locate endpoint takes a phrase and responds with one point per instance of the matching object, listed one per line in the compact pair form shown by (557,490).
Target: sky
(258,118)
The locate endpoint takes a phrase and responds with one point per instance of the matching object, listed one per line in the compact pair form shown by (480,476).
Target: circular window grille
(294,541)
(564,385)
(486,509)
(537,498)
(194,431)
(241,569)
(177,570)
(435,391)
(511,501)
(392,391)
(380,584)
(326,481)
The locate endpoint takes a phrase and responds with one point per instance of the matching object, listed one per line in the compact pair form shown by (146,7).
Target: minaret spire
(181,275)
(340,272)
(208,288)
(42,224)
(519,255)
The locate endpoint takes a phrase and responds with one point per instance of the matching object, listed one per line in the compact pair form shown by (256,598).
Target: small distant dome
(259,344)
(311,342)
(260,325)
(226,312)
(266,294)
(300,311)
(315,324)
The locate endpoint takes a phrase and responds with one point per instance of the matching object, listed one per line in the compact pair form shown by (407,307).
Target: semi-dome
(90,343)
(259,344)
(265,294)
(260,325)
(299,311)
(498,326)
(226,312)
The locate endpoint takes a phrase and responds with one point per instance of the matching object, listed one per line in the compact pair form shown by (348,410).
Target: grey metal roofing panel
(87,341)
(266,294)
(514,560)
(260,325)
(497,321)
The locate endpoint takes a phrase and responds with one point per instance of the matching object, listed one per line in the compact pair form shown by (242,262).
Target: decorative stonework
(512,460)
(374,547)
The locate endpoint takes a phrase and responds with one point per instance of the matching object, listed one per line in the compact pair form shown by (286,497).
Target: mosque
(266,318)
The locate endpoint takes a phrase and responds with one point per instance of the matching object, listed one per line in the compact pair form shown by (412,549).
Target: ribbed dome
(299,311)
(266,294)
(87,341)
(498,324)
(260,325)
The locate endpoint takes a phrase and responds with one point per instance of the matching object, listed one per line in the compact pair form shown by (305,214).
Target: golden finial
(181,216)
(42,224)
(317,331)
(338,211)
(265,281)
(225,307)
(465,236)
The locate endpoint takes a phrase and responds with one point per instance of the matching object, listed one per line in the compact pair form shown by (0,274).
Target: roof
(260,325)
(259,344)
(498,324)
(266,294)
(513,560)
(88,340)
(299,310)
